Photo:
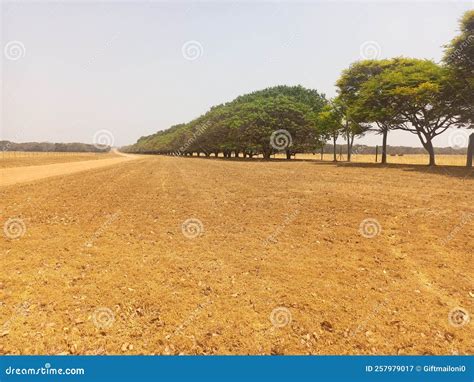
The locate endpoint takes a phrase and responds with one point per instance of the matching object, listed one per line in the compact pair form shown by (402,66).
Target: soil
(278,258)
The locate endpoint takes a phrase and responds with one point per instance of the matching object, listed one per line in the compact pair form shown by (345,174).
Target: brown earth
(279,267)
(22,159)
(29,173)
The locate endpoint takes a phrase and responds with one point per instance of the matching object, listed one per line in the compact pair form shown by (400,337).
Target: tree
(418,94)
(459,58)
(351,126)
(277,124)
(362,102)
(246,125)
(330,123)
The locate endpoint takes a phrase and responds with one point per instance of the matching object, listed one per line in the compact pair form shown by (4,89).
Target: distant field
(445,160)
(21,158)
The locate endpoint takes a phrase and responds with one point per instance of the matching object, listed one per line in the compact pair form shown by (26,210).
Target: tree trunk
(349,149)
(266,154)
(429,147)
(322,152)
(470,150)
(236,154)
(288,154)
(384,146)
(334,139)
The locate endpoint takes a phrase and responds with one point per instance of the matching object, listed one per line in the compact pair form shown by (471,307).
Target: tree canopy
(459,58)
(416,95)
(280,118)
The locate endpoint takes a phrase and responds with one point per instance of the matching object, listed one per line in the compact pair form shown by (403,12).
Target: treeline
(52,147)
(418,96)
(280,118)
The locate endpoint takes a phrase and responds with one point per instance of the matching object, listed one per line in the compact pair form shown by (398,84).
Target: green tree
(330,123)
(417,92)
(362,101)
(245,125)
(459,58)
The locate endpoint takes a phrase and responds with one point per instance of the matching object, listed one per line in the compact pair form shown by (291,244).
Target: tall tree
(363,104)
(330,123)
(418,93)
(459,58)
(352,126)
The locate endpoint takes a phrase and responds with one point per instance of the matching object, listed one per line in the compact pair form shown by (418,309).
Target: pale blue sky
(119,66)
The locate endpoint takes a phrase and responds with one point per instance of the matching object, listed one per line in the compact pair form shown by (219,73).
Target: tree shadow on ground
(459,172)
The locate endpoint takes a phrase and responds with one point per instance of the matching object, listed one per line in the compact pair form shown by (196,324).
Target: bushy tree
(330,123)
(459,58)
(417,93)
(256,123)
(365,108)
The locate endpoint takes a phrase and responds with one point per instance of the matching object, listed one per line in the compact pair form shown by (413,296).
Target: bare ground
(22,159)
(29,173)
(279,267)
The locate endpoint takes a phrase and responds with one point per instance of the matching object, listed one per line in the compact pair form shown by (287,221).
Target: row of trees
(52,147)
(281,118)
(419,96)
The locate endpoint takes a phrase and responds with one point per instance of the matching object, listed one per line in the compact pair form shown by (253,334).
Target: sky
(115,71)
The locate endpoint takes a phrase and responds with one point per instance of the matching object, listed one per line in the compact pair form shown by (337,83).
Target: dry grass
(443,160)
(21,159)
(276,234)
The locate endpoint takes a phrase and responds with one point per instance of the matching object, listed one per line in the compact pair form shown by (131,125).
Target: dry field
(279,258)
(444,160)
(21,159)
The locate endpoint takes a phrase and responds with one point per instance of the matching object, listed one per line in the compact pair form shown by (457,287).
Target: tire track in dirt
(415,270)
